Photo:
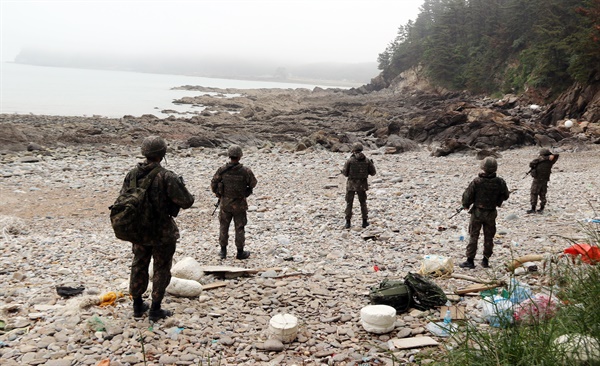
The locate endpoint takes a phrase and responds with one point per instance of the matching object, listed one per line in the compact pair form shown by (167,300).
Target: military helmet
(545,152)
(234,151)
(357,146)
(154,147)
(489,165)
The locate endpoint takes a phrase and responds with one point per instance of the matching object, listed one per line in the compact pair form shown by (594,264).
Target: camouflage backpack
(393,293)
(426,294)
(131,214)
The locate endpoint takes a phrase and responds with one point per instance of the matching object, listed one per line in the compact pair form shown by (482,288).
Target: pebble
(64,238)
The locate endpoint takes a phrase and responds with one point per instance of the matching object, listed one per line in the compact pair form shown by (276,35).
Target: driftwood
(476,288)
(210,286)
(468,278)
(518,262)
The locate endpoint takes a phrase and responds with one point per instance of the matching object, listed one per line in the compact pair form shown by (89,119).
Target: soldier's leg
(349,204)
(533,196)
(489,231)
(240,220)
(474,228)
(224,222)
(362,199)
(163,259)
(138,279)
(543,191)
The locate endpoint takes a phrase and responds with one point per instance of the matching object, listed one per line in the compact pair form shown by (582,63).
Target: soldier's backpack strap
(147,180)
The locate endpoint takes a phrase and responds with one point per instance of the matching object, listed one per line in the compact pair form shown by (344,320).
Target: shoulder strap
(228,168)
(150,177)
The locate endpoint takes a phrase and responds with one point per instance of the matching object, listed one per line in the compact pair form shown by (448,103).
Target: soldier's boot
(347,226)
(242,254)
(139,307)
(223,252)
(469,263)
(541,210)
(485,263)
(156,313)
(365,223)
(532,210)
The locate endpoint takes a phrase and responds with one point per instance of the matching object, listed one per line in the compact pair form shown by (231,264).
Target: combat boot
(347,226)
(156,313)
(139,307)
(469,263)
(541,210)
(532,210)
(365,223)
(242,254)
(223,253)
(485,262)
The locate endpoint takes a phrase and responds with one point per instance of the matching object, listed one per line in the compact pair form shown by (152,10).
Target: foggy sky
(298,30)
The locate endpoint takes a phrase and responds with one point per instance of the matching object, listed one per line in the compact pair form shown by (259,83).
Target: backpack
(393,293)
(131,214)
(426,294)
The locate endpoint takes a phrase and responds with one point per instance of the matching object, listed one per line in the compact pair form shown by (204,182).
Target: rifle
(216,206)
(458,210)
(526,174)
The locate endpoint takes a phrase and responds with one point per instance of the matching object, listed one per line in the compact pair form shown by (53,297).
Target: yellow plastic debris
(109,298)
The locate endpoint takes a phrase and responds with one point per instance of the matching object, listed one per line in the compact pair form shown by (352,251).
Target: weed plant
(577,285)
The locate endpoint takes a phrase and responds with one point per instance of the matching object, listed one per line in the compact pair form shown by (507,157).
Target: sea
(58,91)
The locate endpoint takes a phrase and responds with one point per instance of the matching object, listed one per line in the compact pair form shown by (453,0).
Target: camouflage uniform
(167,195)
(232,183)
(541,168)
(485,193)
(357,168)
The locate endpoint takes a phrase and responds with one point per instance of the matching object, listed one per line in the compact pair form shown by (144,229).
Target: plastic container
(448,317)
(463,234)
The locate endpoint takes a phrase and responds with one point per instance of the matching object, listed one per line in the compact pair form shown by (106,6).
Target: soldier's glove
(248,191)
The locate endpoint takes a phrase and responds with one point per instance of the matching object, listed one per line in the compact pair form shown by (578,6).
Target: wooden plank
(210,286)
(414,342)
(456,312)
(475,288)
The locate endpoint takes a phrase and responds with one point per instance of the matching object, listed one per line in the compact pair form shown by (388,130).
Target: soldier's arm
(468,196)
(372,170)
(346,168)
(214,182)
(251,179)
(177,191)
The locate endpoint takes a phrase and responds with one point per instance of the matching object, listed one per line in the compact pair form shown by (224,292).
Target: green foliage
(488,46)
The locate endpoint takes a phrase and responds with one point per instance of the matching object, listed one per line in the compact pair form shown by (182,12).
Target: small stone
(274,345)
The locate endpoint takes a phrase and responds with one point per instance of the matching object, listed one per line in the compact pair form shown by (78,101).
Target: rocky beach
(58,175)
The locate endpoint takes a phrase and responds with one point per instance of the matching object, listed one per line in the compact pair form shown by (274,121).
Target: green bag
(393,293)
(426,294)
(131,214)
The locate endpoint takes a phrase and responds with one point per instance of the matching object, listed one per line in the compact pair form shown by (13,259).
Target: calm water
(59,91)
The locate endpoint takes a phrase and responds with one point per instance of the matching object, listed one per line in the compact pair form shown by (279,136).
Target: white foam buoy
(568,123)
(284,327)
(378,319)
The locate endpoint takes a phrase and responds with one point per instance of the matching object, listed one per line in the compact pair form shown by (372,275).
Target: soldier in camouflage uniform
(232,183)
(357,168)
(485,193)
(540,169)
(166,194)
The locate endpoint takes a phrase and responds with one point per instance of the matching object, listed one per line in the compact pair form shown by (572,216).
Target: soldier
(485,193)
(540,169)
(357,168)
(166,194)
(232,183)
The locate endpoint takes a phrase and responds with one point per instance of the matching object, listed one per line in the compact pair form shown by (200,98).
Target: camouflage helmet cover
(545,152)
(234,151)
(489,165)
(154,147)
(357,146)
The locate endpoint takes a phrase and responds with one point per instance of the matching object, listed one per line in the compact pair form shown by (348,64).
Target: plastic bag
(536,308)
(497,311)
(436,265)
(518,291)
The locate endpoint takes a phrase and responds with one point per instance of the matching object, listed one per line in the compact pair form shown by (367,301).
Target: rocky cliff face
(406,116)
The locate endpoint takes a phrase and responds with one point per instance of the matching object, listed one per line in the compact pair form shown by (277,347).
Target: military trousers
(362,199)
(163,258)
(239,220)
(538,188)
(485,219)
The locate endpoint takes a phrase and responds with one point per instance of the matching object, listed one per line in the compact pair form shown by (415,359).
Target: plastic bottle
(447,318)
(463,234)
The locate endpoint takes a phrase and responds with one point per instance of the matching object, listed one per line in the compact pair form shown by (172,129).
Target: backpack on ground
(393,293)
(131,214)
(426,294)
